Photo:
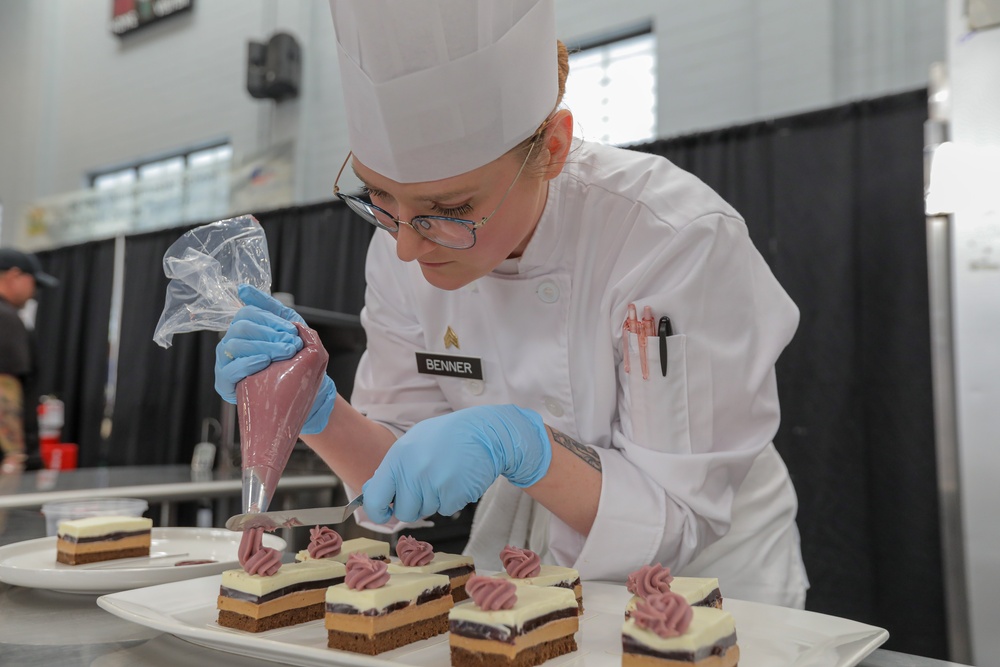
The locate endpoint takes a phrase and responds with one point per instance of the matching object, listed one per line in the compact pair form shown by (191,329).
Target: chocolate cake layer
(534,655)
(283,619)
(98,556)
(358,642)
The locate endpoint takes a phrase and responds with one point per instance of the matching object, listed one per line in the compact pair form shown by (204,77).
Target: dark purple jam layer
(713,599)
(459,571)
(425,597)
(630,645)
(106,537)
(274,595)
(507,634)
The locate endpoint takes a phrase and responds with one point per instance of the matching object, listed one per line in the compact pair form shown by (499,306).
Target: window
(611,88)
(190,186)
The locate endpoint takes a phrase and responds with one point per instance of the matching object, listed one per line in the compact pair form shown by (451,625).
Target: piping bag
(206,266)
(273,405)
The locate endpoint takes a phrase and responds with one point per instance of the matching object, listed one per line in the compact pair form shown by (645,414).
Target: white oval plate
(32,563)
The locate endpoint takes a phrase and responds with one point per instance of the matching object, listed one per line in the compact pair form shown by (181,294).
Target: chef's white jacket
(690,477)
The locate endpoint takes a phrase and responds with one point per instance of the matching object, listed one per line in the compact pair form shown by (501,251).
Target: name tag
(443,364)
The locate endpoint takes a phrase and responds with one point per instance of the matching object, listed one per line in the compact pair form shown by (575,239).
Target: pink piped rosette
(490,593)
(364,572)
(666,614)
(520,563)
(254,557)
(324,542)
(414,553)
(649,579)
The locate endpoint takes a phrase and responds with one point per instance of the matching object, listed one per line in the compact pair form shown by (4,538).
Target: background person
(20,275)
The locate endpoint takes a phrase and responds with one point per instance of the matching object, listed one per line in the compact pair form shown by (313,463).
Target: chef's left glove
(444,463)
(263,331)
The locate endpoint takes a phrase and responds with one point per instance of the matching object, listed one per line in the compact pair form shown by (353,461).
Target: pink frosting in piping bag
(273,405)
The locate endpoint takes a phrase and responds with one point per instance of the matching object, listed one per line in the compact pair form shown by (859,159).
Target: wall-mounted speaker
(274,68)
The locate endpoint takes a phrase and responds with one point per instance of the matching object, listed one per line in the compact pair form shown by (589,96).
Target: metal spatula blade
(316,516)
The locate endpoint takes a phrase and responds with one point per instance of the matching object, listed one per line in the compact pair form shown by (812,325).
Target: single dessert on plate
(524,568)
(417,556)
(327,543)
(100,538)
(264,594)
(665,631)
(506,625)
(373,611)
(656,578)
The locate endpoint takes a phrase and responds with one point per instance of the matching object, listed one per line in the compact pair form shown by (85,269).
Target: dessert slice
(420,557)
(265,594)
(512,626)
(294,594)
(373,611)
(99,538)
(656,578)
(524,568)
(665,631)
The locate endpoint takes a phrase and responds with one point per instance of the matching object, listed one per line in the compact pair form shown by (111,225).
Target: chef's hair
(536,164)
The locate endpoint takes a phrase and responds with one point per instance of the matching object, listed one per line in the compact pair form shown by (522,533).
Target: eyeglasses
(456,233)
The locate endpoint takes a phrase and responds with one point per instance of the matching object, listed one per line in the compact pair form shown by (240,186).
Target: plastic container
(81,509)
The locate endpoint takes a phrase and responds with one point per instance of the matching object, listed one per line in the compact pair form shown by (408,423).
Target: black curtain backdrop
(71,327)
(833,200)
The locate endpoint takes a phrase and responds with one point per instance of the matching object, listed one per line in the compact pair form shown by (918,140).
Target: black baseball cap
(10,259)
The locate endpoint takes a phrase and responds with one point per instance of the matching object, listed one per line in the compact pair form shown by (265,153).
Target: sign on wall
(130,15)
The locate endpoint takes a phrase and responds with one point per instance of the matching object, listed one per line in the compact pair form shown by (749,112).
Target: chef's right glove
(444,463)
(262,332)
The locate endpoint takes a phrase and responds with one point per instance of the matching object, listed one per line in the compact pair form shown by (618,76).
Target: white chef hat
(436,88)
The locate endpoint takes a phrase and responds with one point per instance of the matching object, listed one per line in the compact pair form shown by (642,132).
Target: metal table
(163,485)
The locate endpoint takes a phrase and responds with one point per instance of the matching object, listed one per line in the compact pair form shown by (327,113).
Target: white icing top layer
(438,563)
(549,575)
(358,545)
(694,590)
(708,626)
(95,526)
(290,573)
(532,602)
(401,587)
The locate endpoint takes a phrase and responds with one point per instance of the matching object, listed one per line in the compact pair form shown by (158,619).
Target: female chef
(508,359)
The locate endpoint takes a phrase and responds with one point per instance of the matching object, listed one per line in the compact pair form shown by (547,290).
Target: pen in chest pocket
(665,331)
(645,331)
(631,324)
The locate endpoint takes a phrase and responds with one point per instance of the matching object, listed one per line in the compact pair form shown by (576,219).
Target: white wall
(76,98)
(974,72)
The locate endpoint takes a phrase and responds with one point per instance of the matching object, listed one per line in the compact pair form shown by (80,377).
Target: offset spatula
(316,516)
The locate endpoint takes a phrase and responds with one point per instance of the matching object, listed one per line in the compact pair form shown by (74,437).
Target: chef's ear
(556,142)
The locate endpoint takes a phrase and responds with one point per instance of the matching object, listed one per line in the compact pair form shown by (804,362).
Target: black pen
(665,330)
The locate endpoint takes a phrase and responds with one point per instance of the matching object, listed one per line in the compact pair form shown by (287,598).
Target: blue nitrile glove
(262,332)
(444,463)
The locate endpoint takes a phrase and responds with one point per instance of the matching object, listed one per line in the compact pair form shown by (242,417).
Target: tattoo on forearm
(584,452)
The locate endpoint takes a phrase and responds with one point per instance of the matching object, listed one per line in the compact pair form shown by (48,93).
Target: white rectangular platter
(767,635)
